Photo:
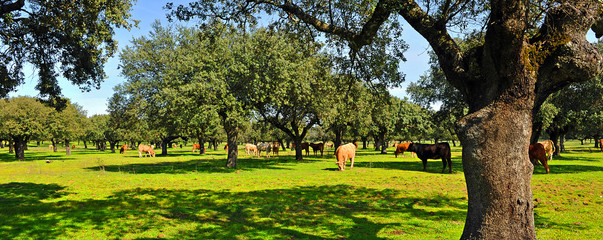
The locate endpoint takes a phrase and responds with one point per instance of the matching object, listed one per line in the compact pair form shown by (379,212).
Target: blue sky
(95,101)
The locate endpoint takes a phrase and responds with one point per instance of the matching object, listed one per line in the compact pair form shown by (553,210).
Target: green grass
(95,195)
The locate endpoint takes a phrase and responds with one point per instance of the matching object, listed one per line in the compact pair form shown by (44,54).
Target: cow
(50,147)
(401,148)
(549,148)
(601,144)
(304,145)
(123,148)
(328,145)
(251,149)
(146,149)
(226,147)
(432,151)
(264,147)
(275,146)
(174,145)
(536,153)
(196,146)
(344,152)
(73,146)
(317,147)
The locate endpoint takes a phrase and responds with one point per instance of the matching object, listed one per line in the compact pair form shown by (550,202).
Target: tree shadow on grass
(6,157)
(200,165)
(315,212)
(433,165)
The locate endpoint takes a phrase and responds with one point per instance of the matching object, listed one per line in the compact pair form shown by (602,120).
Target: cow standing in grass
(196,146)
(264,147)
(549,148)
(317,147)
(401,148)
(146,150)
(251,149)
(344,152)
(432,151)
(536,153)
(123,148)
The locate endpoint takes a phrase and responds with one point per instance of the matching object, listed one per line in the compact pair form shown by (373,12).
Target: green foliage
(24,117)
(73,38)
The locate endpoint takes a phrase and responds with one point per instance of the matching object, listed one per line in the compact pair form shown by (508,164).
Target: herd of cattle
(541,151)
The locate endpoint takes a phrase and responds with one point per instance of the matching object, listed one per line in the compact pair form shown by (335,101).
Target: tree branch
(448,52)
(6,8)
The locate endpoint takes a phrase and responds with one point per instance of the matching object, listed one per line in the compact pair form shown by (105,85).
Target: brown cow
(549,148)
(601,144)
(251,149)
(196,146)
(73,146)
(226,147)
(317,147)
(344,152)
(401,148)
(123,148)
(275,146)
(536,153)
(146,149)
(174,145)
(305,146)
(50,147)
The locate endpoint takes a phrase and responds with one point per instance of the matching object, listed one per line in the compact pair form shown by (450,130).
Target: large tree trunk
(299,155)
(498,172)
(20,143)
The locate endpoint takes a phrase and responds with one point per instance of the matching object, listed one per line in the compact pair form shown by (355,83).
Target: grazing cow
(549,148)
(401,148)
(601,144)
(275,146)
(123,148)
(251,149)
(264,147)
(344,152)
(226,147)
(196,146)
(536,153)
(328,145)
(50,147)
(174,145)
(73,146)
(146,149)
(305,146)
(432,151)
(317,147)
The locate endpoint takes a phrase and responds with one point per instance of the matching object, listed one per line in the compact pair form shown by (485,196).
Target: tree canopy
(69,38)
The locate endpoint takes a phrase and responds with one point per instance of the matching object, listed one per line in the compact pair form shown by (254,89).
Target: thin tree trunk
(11,146)
(68,148)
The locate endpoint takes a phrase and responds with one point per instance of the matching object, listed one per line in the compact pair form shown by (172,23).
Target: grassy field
(96,195)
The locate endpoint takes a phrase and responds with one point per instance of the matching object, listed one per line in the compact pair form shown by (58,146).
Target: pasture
(103,195)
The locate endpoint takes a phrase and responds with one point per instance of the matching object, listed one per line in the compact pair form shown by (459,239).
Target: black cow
(432,151)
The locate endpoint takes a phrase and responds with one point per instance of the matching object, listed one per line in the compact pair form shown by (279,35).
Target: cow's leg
(139,154)
(449,165)
(424,164)
(444,163)
(546,165)
(352,160)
